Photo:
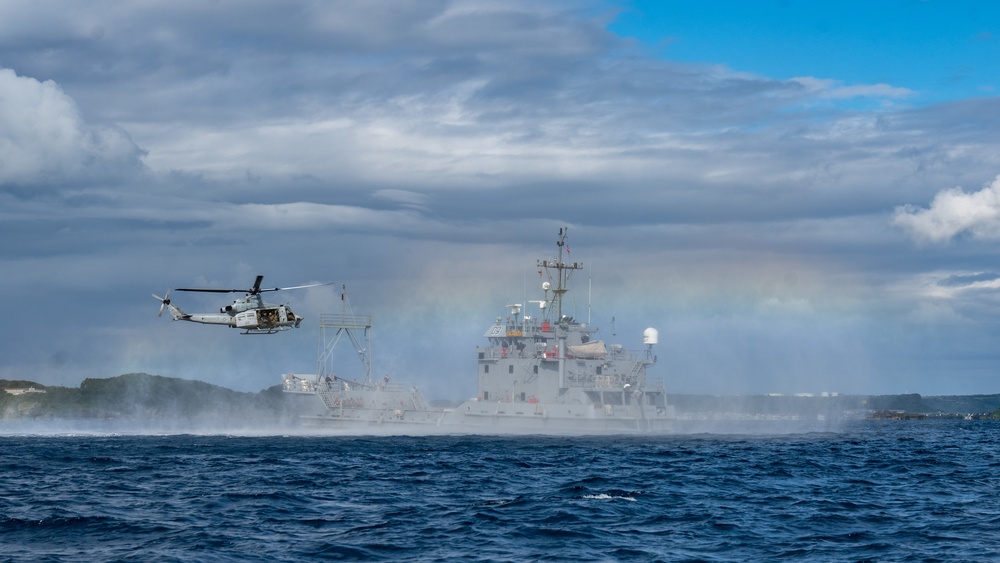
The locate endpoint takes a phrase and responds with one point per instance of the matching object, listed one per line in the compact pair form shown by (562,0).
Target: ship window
(482,355)
(486,395)
(486,368)
(535,369)
(510,369)
(599,369)
(522,396)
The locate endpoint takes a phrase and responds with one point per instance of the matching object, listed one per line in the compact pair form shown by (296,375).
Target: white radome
(650,336)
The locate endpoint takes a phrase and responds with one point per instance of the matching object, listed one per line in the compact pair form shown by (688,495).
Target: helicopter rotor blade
(297,287)
(252,291)
(207,290)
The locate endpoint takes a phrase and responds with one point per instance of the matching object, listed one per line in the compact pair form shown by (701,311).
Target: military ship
(540,373)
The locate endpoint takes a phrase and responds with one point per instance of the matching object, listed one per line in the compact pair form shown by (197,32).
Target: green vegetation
(143,397)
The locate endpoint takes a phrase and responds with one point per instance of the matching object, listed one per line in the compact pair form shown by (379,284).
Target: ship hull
(477,417)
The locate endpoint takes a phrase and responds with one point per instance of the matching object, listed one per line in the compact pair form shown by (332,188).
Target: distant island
(144,401)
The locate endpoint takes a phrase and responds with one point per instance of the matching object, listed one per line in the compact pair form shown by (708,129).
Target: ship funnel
(650,336)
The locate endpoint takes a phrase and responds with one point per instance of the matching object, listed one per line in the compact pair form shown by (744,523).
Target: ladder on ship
(327,397)
(637,367)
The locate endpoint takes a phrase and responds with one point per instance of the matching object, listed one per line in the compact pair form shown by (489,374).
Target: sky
(801,197)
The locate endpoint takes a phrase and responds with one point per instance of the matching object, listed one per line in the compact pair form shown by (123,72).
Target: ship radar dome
(650,336)
(545,286)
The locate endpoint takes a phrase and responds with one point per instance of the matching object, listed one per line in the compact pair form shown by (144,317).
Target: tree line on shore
(140,396)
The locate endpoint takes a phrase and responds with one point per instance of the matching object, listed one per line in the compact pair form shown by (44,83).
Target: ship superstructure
(550,370)
(540,373)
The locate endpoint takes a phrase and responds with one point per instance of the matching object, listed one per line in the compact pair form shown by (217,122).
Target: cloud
(988,279)
(945,298)
(308,216)
(954,212)
(835,89)
(424,154)
(44,139)
(406,198)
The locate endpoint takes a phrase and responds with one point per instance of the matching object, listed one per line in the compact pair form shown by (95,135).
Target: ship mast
(563,271)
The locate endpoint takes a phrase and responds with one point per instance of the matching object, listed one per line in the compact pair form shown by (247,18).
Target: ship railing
(401,396)
(615,352)
(298,383)
(610,382)
(655,384)
(615,381)
(338,320)
(522,330)
(347,386)
(499,352)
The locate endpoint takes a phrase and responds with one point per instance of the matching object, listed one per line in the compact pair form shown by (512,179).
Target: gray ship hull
(395,410)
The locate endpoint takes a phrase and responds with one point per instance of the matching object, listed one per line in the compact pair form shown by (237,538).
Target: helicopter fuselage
(249,313)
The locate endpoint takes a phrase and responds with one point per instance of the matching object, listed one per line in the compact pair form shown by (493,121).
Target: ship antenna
(343,299)
(563,271)
(524,299)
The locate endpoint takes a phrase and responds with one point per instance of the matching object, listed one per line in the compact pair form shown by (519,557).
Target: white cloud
(836,89)
(43,137)
(952,212)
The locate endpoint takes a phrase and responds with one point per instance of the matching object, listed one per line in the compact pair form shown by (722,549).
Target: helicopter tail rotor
(175,311)
(164,301)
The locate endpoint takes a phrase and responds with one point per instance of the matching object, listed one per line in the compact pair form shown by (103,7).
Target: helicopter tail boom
(175,311)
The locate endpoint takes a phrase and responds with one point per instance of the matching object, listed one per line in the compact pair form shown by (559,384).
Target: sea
(923,490)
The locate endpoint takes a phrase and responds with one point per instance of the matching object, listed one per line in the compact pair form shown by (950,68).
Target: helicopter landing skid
(265,330)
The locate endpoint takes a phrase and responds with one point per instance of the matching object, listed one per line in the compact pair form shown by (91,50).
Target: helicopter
(249,313)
